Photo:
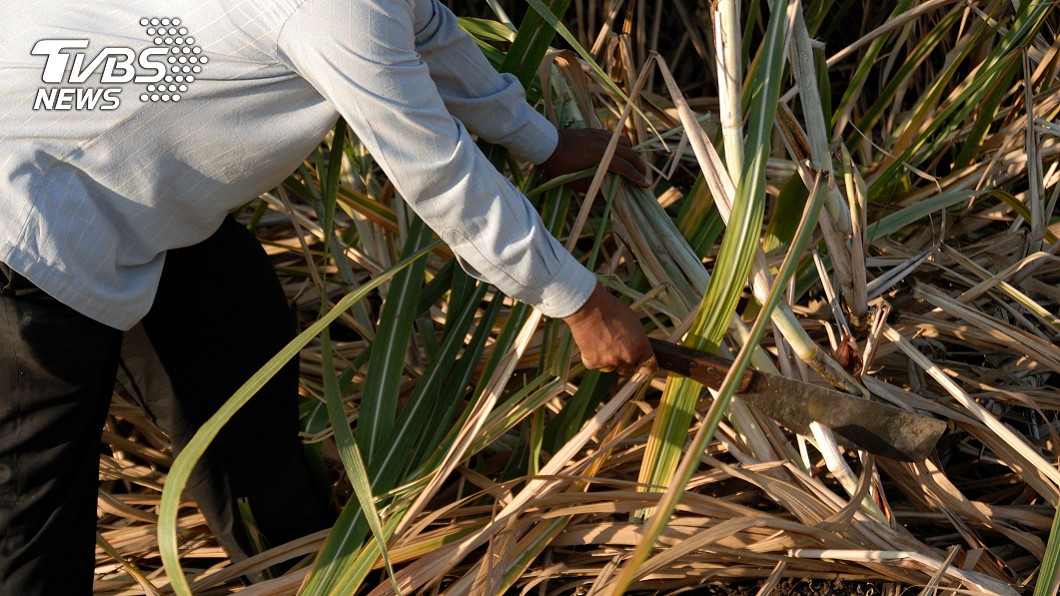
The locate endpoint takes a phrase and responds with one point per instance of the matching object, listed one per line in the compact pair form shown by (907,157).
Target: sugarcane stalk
(730,78)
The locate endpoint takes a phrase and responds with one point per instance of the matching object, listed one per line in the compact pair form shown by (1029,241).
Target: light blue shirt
(128,128)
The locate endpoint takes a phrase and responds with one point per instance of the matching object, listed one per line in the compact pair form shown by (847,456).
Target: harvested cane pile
(896,171)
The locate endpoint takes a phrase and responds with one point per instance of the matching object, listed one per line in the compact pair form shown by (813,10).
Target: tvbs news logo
(165,69)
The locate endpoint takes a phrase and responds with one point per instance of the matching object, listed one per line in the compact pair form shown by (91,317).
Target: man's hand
(581,148)
(609,334)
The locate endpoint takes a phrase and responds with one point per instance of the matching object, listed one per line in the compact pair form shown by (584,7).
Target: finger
(591,363)
(634,163)
(579,185)
(629,171)
(628,154)
(636,361)
(627,370)
(650,363)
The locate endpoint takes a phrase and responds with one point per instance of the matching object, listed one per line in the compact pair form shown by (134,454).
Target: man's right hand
(609,334)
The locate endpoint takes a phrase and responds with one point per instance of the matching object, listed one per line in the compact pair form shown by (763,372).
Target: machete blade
(878,428)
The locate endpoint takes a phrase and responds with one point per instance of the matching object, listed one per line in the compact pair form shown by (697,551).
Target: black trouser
(219,315)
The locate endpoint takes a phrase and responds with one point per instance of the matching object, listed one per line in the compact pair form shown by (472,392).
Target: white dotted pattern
(185,59)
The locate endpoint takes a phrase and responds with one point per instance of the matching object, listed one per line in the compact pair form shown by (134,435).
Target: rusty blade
(878,428)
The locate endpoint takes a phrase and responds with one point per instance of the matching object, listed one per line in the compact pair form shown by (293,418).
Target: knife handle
(708,370)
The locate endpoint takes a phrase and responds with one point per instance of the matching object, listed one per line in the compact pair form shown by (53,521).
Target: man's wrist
(556,156)
(588,310)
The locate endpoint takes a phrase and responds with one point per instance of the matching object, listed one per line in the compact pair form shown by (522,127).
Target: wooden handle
(702,367)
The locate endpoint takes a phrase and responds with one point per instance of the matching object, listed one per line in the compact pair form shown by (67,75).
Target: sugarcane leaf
(181,470)
(734,264)
(378,406)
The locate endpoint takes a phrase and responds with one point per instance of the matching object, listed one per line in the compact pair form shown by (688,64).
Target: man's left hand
(582,148)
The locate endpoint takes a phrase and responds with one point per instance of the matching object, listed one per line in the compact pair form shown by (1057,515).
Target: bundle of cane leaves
(847,194)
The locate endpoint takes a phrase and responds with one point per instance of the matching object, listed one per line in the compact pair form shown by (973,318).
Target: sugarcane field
(845,257)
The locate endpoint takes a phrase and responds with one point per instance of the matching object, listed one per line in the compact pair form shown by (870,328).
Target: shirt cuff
(535,140)
(568,291)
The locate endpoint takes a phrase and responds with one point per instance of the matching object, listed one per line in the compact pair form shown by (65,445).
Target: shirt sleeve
(362,57)
(491,105)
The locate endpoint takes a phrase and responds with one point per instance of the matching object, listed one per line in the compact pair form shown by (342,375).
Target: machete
(875,427)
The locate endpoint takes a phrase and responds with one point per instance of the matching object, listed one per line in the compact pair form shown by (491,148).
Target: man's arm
(361,56)
(493,105)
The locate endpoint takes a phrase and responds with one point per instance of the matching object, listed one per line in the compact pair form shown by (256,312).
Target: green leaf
(486,30)
(785,217)
(699,220)
(1049,573)
(179,473)
(919,210)
(549,17)
(726,284)
(423,403)
(378,407)
(351,455)
(861,74)
(535,34)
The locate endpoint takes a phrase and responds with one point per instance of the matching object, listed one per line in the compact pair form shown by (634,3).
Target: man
(128,130)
